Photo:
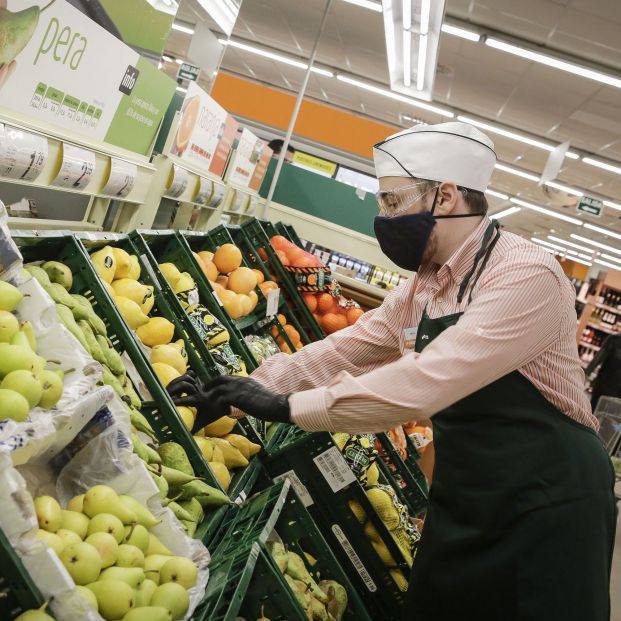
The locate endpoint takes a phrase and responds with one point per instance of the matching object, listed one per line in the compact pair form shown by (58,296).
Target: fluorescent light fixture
(612,265)
(568,243)
(599,229)
(588,257)
(564,188)
(495,129)
(223,12)
(551,61)
(604,165)
(516,172)
(367,4)
(277,57)
(168,59)
(396,96)
(547,212)
(611,258)
(178,61)
(422,62)
(181,89)
(504,213)
(594,243)
(407,58)
(612,205)
(469,35)
(555,246)
(577,260)
(504,197)
(182,28)
(407,14)
(159,65)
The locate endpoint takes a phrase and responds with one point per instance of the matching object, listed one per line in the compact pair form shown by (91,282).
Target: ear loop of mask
(459,215)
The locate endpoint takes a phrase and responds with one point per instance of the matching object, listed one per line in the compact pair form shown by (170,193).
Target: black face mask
(403,239)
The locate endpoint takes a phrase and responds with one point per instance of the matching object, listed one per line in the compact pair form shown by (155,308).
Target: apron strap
(484,253)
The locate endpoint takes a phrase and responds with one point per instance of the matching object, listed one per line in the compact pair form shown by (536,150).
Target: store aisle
(615,583)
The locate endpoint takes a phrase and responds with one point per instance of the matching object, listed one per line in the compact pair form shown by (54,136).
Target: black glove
(215,398)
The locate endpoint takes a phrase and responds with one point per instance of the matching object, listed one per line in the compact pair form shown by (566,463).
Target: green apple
(107,523)
(179,569)
(129,556)
(107,547)
(14,405)
(72,520)
(9,326)
(172,596)
(82,561)
(48,512)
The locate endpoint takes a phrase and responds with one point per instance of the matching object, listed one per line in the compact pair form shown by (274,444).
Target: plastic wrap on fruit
(188,298)
(261,347)
(10,257)
(228,362)
(359,452)
(211,331)
(406,522)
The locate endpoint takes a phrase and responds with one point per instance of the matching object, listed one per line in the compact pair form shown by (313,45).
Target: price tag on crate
(354,558)
(77,168)
(297,485)
(334,469)
(273,299)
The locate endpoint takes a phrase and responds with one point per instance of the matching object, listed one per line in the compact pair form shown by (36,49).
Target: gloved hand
(215,398)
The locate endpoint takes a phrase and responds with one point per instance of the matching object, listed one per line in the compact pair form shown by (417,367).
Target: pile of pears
(119,567)
(25,383)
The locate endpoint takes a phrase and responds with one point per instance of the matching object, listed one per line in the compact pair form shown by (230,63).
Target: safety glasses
(397,200)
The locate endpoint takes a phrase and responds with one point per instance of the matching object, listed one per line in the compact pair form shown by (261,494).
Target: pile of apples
(120,568)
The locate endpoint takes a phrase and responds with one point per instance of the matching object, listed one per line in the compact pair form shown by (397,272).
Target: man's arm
(514,317)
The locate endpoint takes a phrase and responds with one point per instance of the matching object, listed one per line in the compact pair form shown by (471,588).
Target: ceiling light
(556,246)
(168,59)
(611,258)
(564,188)
(576,260)
(601,230)
(423,42)
(407,58)
(396,96)
(568,243)
(178,61)
(604,165)
(594,243)
(547,212)
(223,12)
(182,28)
(505,212)
(504,197)
(461,32)
(517,172)
(612,265)
(367,4)
(612,205)
(181,89)
(159,65)
(588,257)
(277,57)
(495,129)
(551,61)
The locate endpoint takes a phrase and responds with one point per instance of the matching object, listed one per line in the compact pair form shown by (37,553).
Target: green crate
(279,509)
(287,230)
(295,452)
(18,592)
(161,411)
(244,586)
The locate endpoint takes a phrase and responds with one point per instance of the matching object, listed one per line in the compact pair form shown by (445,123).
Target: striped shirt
(521,317)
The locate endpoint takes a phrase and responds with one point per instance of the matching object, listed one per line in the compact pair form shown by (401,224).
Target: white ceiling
(472,78)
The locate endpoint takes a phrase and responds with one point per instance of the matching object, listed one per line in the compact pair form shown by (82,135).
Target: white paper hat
(453,151)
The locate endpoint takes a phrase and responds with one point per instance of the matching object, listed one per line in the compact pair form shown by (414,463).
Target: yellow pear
(171,273)
(122,261)
(134,267)
(156,331)
(232,457)
(221,473)
(242,444)
(185,283)
(104,263)
(132,289)
(205,446)
(179,345)
(171,356)
(187,416)
(220,427)
(165,372)
(131,312)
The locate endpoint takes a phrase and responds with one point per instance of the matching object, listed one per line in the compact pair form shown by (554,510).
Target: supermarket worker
(521,518)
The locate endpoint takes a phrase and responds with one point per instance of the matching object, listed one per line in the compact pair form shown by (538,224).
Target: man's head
(276,145)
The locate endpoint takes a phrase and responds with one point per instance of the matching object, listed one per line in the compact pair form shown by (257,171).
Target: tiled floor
(615,582)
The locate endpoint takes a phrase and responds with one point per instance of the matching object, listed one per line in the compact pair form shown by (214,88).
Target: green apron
(522,515)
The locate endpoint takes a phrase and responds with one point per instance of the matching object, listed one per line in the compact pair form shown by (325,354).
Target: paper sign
(223,149)
(273,298)
(22,154)
(205,189)
(122,178)
(217,196)
(261,168)
(245,158)
(179,183)
(334,468)
(77,168)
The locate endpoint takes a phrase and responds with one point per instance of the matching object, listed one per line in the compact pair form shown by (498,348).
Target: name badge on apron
(409,337)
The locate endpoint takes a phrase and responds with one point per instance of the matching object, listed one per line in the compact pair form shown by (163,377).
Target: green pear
(16,30)
(26,384)
(145,517)
(130,556)
(48,513)
(114,598)
(156,547)
(51,388)
(39,274)
(68,537)
(9,326)
(75,504)
(72,520)
(88,595)
(60,273)
(148,613)
(82,561)
(107,547)
(15,357)
(137,535)
(52,540)
(103,499)
(107,523)
(172,596)
(22,340)
(27,328)
(14,405)
(179,569)
(134,576)
(35,615)
(144,593)
(10,296)
(152,565)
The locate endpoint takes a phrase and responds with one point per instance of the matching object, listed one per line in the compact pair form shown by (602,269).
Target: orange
(223,280)
(260,276)
(227,258)
(254,299)
(325,302)
(280,243)
(263,254)
(331,322)
(275,333)
(285,348)
(295,255)
(209,269)
(305,261)
(242,280)
(284,259)
(311,301)
(267,286)
(353,314)
(218,288)
(292,333)
(231,302)
(205,255)
(298,345)
(246,304)
(282,319)
(317,318)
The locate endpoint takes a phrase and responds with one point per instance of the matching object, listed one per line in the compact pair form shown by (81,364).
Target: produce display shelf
(160,410)
(278,514)
(259,243)
(246,586)
(287,230)
(18,592)
(298,454)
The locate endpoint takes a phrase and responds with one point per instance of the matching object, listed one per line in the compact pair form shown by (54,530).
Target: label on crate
(354,558)
(334,469)
(273,299)
(134,376)
(121,179)
(297,485)
(22,154)
(77,168)
(241,498)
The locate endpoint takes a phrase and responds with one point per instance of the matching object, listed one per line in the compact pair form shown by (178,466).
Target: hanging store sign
(68,72)
(590,205)
(304,160)
(188,72)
